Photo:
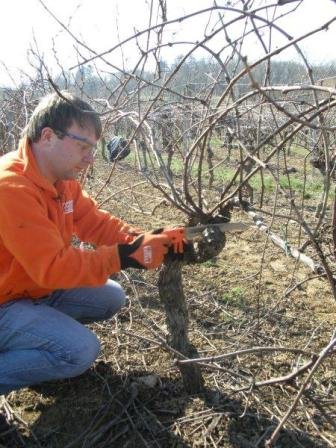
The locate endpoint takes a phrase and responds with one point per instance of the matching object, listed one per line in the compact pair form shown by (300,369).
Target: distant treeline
(193,77)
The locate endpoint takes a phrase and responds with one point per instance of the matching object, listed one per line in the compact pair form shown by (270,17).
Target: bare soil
(134,397)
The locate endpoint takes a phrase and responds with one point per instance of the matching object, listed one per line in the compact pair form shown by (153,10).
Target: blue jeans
(42,340)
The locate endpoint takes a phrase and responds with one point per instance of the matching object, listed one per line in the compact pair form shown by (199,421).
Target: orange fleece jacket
(37,223)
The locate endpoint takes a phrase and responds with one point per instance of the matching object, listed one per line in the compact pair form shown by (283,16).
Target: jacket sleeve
(37,245)
(93,225)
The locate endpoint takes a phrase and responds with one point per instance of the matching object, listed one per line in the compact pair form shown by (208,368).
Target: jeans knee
(117,300)
(120,297)
(84,353)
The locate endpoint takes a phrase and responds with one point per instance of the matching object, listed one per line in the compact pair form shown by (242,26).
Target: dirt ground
(134,396)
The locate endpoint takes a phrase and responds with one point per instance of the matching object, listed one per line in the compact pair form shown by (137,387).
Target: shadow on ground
(103,409)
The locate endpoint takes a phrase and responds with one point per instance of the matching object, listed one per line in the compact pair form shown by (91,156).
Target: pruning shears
(180,235)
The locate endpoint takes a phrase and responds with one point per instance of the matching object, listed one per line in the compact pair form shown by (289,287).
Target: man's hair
(59,113)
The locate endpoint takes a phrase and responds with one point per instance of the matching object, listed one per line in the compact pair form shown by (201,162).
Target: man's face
(70,152)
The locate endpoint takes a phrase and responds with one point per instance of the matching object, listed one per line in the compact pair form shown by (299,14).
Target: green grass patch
(297,150)
(267,183)
(311,187)
(211,263)
(234,297)
(224,174)
(216,142)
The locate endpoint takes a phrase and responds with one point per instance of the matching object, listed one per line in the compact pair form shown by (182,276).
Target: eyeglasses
(61,134)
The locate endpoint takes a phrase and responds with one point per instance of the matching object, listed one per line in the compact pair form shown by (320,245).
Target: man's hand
(147,251)
(180,248)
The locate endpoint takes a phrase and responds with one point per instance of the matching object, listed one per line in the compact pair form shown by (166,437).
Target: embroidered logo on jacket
(68,207)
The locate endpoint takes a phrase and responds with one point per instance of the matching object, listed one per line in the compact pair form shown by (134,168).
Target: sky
(100,24)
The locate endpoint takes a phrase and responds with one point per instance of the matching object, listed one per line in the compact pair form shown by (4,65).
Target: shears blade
(193,232)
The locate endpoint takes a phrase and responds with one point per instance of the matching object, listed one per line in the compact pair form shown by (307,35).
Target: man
(48,288)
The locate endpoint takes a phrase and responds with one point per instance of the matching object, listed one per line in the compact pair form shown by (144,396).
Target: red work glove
(177,237)
(179,245)
(147,251)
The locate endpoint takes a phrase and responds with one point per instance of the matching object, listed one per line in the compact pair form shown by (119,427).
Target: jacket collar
(32,171)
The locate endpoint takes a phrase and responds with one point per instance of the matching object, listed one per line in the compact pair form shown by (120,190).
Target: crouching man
(48,288)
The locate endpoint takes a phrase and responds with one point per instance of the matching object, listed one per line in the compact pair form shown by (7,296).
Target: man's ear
(47,135)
